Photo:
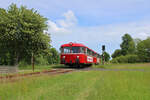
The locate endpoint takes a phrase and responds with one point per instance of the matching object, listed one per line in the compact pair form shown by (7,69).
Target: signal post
(103,54)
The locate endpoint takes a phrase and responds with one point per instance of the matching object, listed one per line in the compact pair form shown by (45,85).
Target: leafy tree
(128,45)
(137,41)
(22,32)
(143,50)
(49,56)
(54,56)
(106,56)
(117,53)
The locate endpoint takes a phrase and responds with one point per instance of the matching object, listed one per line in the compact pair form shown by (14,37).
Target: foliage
(47,57)
(54,57)
(51,56)
(128,45)
(21,34)
(106,56)
(41,60)
(137,41)
(132,50)
(117,53)
(126,59)
(143,50)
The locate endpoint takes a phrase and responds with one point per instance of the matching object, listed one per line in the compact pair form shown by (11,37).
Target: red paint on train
(76,53)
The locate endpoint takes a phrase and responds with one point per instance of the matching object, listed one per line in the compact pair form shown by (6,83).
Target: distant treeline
(132,50)
(23,37)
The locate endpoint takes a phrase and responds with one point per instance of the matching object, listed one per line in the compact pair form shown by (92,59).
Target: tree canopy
(143,50)
(132,50)
(22,32)
(117,53)
(106,56)
(127,45)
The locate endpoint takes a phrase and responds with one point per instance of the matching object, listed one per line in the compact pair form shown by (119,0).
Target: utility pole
(103,54)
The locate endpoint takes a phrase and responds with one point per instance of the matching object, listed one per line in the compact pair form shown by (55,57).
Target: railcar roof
(76,45)
(73,44)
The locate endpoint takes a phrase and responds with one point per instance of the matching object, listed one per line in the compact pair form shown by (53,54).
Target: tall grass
(81,85)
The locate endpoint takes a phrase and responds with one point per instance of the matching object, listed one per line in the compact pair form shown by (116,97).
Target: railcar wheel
(88,65)
(78,65)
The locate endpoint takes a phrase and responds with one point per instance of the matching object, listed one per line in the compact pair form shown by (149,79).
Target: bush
(126,59)
(23,63)
(133,58)
(114,60)
(41,60)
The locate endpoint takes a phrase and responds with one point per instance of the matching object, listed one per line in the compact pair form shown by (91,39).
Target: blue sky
(92,22)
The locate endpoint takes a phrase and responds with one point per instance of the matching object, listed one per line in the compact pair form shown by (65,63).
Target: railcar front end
(77,54)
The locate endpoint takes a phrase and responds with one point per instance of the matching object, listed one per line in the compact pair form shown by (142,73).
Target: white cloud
(63,25)
(53,28)
(113,32)
(94,35)
(69,21)
(138,29)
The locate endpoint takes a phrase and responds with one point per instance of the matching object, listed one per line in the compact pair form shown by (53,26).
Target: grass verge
(145,66)
(82,85)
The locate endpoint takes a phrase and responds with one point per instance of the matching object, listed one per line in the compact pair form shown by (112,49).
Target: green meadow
(82,85)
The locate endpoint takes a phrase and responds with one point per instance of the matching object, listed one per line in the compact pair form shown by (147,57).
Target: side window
(88,52)
(91,53)
(81,49)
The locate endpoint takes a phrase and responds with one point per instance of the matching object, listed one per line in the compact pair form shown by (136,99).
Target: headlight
(64,56)
(77,56)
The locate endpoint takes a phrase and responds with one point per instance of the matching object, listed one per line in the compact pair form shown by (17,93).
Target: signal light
(103,47)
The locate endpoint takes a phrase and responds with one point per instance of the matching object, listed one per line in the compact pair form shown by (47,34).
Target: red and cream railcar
(76,53)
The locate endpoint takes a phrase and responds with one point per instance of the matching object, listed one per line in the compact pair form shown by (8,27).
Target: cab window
(66,50)
(75,50)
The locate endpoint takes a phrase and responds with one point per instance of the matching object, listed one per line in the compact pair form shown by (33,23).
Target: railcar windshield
(77,50)
(66,50)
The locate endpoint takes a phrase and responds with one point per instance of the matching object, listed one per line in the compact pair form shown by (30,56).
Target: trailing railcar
(78,54)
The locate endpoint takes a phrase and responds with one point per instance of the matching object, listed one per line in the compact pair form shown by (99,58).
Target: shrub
(23,63)
(114,60)
(41,60)
(133,58)
(126,59)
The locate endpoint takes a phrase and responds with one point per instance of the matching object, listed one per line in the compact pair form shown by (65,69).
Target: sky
(91,22)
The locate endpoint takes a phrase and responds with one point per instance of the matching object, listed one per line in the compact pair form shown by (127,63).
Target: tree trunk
(32,61)
(16,59)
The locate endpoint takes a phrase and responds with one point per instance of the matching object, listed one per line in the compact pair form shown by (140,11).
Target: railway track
(51,72)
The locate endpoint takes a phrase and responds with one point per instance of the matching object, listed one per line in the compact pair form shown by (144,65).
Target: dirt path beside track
(56,71)
(51,72)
